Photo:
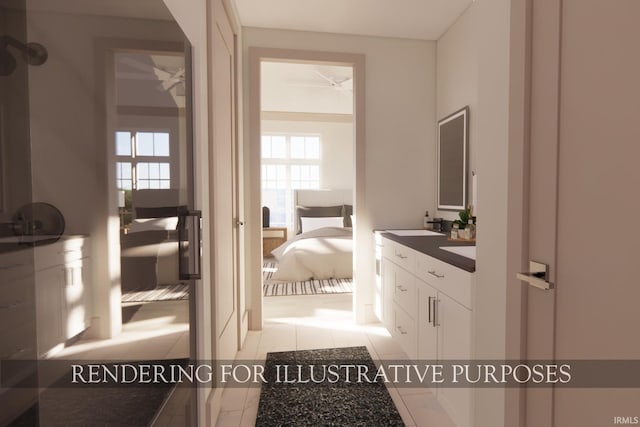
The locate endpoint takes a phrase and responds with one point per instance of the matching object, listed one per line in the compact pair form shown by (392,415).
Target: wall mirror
(453,149)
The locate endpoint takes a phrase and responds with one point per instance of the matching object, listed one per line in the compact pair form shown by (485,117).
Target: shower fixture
(33,54)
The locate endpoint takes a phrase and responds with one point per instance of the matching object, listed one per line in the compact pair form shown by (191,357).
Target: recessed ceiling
(413,19)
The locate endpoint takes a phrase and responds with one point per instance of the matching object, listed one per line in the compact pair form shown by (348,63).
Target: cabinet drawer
(15,265)
(405,293)
(17,293)
(450,280)
(406,332)
(401,255)
(63,251)
(19,342)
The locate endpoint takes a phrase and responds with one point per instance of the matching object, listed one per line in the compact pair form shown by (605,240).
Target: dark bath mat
(318,403)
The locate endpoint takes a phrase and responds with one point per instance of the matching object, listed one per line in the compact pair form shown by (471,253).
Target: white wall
(457,82)
(400,132)
(337,170)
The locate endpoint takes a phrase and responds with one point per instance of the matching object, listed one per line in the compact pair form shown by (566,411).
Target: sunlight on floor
(156,331)
(337,320)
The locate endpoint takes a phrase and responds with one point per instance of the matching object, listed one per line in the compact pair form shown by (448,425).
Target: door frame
(534,120)
(253,212)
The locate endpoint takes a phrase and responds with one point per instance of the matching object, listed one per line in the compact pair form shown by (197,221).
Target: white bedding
(324,253)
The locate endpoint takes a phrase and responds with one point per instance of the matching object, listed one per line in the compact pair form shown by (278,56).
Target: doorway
(275,132)
(307,180)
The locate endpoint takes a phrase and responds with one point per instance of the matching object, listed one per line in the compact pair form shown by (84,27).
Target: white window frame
(288,161)
(134,159)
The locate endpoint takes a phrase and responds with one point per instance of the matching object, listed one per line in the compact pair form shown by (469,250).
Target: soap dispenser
(428,224)
(471,234)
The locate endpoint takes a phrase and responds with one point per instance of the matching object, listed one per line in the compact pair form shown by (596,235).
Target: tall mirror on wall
(453,160)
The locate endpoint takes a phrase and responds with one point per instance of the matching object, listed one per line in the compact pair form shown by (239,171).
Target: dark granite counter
(430,245)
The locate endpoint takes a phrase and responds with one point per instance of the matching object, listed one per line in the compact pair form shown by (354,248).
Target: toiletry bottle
(472,230)
(454,232)
(428,225)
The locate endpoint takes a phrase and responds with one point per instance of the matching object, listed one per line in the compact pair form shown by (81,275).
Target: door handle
(189,245)
(537,276)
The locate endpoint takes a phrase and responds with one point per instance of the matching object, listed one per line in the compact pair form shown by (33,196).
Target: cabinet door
(427,327)
(454,343)
(388,285)
(75,298)
(49,308)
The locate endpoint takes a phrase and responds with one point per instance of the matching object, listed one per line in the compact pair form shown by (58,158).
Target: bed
(149,250)
(323,244)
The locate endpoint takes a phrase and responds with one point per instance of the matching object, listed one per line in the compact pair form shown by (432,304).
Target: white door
(224,200)
(583,201)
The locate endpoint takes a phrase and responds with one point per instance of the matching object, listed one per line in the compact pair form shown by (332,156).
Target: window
(289,162)
(142,160)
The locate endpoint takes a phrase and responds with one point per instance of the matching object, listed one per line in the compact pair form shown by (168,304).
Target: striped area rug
(308,287)
(175,292)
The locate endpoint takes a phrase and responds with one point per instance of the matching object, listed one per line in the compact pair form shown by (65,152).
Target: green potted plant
(464,215)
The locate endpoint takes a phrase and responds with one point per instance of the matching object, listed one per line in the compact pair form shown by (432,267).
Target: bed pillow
(348,214)
(316,211)
(147,224)
(160,212)
(313,223)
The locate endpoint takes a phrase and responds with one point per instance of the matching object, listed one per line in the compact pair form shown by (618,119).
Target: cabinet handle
(10,266)
(401,331)
(433,273)
(11,305)
(399,255)
(401,288)
(435,312)
(430,298)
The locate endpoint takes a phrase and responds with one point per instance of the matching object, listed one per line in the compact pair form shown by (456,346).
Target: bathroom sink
(414,233)
(465,251)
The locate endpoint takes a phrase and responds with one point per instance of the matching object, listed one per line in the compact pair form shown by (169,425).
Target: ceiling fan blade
(139,65)
(124,75)
(329,79)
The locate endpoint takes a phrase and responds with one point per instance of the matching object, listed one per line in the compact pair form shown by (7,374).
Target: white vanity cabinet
(427,307)
(63,292)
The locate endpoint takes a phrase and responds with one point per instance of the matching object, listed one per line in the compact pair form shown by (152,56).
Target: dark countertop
(430,245)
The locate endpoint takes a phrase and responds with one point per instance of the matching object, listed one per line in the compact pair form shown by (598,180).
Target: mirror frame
(460,119)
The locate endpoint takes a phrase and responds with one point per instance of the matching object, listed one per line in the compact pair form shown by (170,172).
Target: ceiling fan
(343,85)
(170,77)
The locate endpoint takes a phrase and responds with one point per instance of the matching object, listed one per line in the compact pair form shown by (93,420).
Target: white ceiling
(149,80)
(144,9)
(308,88)
(414,19)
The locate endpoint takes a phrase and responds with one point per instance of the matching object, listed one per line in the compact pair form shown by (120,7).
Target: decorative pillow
(159,212)
(313,223)
(316,211)
(147,224)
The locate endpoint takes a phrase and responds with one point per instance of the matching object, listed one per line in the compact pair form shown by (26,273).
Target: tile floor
(158,330)
(161,330)
(322,321)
